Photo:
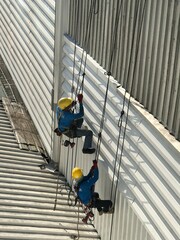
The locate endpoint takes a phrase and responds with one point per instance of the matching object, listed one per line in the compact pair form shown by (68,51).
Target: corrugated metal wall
(27,47)
(146,60)
(147,197)
(28,195)
(146,205)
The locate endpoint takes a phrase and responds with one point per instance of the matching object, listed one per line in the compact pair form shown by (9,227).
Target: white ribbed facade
(28,195)
(146,60)
(27,47)
(147,198)
(40,60)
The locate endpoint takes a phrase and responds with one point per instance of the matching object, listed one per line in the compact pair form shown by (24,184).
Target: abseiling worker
(83,186)
(70,123)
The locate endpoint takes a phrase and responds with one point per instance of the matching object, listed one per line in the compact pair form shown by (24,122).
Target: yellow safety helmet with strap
(77,173)
(64,103)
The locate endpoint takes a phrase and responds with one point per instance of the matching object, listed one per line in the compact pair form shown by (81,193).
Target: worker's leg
(88,134)
(104,205)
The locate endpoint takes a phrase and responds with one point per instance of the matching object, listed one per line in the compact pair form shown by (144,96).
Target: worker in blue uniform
(83,186)
(70,123)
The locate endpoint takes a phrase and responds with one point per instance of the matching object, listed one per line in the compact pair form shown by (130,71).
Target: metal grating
(23,127)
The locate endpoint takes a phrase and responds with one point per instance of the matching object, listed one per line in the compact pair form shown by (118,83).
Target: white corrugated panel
(28,195)
(146,202)
(146,205)
(27,47)
(146,59)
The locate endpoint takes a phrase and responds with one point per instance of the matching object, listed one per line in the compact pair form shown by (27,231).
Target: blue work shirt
(85,187)
(66,118)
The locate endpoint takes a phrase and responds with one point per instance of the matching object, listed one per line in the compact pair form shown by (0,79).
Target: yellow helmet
(64,102)
(77,173)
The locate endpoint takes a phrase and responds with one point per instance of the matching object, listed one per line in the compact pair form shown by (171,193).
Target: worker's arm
(81,110)
(93,174)
(78,115)
(93,179)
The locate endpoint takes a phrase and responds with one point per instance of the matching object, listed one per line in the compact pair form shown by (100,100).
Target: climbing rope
(80,86)
(58,178)
(108,73)
(102,120)
(128,105)
(79,89)
(76,23)
(94,9)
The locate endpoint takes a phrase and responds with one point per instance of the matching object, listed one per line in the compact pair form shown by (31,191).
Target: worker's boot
(88,216)
(67,143)
(88,150)
(85,219)
(111,210)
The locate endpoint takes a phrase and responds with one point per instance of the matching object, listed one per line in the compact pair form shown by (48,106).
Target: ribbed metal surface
(146,205)
(28,195)
(146,59)
(27,47)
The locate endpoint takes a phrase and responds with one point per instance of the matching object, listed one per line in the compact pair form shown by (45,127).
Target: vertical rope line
(102,122)
(78,224)
(124,99)
(76,23)
(57,188)
(116,157)
(119,134)
(131,52)
(86,46)
(58,177)
(122,147)
(75,159)
(113,39)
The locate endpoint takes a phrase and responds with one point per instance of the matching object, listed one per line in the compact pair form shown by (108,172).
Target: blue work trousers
(76,131)
(101,205)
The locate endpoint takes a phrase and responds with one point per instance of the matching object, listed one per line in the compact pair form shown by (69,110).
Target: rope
(102,120)
(116,157)
(78,224)
(86,47)
(93,10)
(122,112)
(112,51)
(124,98)
(76,22)
(86,44)
(67,166)
(58,178)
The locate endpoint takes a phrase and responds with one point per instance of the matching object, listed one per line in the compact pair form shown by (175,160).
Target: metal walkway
(27,196)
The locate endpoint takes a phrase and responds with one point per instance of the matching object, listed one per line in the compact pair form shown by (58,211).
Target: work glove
(95,163)
(94,166)
(80,98)
(58,133)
